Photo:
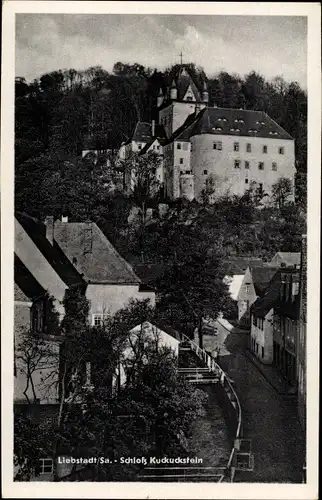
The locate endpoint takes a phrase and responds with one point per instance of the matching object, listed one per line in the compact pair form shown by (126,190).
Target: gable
(189,95)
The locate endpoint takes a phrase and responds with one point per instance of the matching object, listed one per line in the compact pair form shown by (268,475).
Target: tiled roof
(92,254)
(238,122)
(25,282)
(238,265)
(288,258)
(262,276)
(52,252)
(271,298)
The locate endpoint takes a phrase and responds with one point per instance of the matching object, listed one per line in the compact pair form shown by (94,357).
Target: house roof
(150,328)
(52,252)
(184,132)
(238,122)
(272,299)
(143,132)
(288,258)
(262,276)
(238,265)
(266,302)
(92,253)
(26,285)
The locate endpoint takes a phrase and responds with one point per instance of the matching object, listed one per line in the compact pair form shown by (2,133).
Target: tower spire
(180,58)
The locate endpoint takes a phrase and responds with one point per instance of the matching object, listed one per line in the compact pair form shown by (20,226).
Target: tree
(281,191)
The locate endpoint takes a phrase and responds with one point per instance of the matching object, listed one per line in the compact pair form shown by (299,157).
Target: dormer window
(189,98)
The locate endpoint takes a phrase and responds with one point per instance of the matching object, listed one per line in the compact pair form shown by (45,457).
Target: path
(269,419)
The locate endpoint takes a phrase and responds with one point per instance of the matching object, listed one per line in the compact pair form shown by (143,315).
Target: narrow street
(269,419)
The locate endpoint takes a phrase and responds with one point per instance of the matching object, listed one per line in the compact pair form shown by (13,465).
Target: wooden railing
(230,395)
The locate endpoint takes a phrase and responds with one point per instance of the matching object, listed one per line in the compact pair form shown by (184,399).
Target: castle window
(246,181)
(262,352)
(205,172)
(237,164)
(248,148)
(46,465)
(236,146)
(139,146)
(264,149)
(261,165)
(247,287)
(178,145)
(247,165)
(274,166)
(181,161)
(158,147)
(217,145)
(281,150)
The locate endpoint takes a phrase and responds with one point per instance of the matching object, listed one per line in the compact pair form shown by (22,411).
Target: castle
(236,148)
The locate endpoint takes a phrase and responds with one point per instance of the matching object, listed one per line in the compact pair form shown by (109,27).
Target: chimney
(49,223)
(153,128)
(64,218)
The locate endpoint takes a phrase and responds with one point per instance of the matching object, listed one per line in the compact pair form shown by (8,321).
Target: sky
(270,45)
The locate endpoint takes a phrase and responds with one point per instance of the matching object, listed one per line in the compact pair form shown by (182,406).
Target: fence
(228,397)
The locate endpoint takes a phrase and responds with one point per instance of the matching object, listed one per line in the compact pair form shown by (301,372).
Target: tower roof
(184,81)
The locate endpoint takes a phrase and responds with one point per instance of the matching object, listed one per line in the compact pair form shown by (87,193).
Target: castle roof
(184,81)
(262,276)
(238,122)
(143,132)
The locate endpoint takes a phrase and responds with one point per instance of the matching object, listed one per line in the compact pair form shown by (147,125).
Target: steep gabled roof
(25,282)
(262,276)
(238,265)
(183,82)
(271,299)
(184,132)
(143,132)
(93,254)
(238,122)
(52,252)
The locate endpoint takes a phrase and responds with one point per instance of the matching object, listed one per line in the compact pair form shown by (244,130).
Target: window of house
(261,165)
(189,98)
(247,287)
(262,352)
(281,150)
(237,164)
(205,172)
(139,146)
(46,465)
(256,347)
(248,148)
(217,145)
(274,166)
(178,145)
(98,319)
(265,149)
(247,165)
(181,161)
(246,181)
(236,146)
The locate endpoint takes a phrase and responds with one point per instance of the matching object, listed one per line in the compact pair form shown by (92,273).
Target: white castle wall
(220,163)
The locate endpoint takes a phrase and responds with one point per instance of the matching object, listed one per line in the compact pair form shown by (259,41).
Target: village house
(237,148)
(286,259)
(254,284)
(275,323)
(301,336)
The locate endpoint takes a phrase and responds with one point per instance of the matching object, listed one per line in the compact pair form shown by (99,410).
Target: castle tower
(173,91)
(205,93)
(160,98)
